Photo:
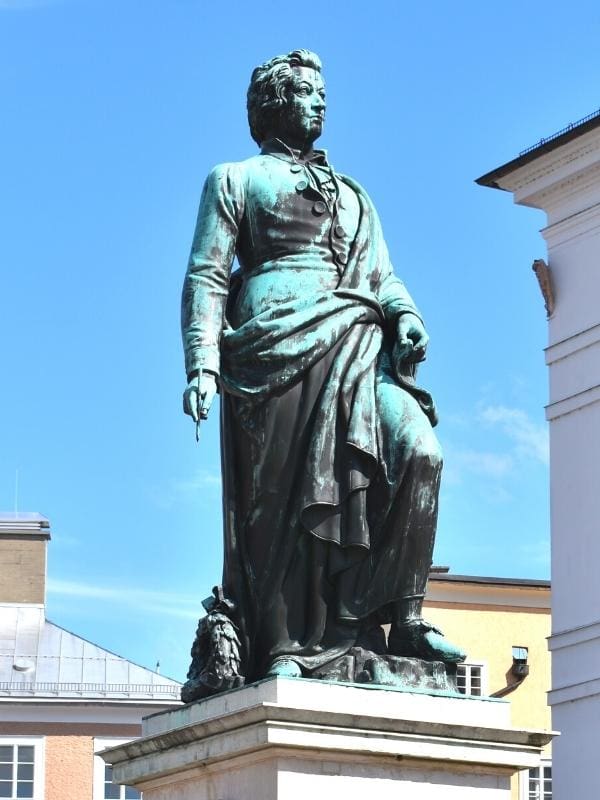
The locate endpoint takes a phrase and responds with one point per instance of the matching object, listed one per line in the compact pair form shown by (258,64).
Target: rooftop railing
(569,127)
(102,689)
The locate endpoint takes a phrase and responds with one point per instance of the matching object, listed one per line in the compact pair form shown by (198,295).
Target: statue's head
(286,99)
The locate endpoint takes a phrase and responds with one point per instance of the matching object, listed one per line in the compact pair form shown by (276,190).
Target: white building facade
(561,176)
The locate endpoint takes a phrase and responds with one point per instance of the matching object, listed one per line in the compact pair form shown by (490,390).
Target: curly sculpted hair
(267,90)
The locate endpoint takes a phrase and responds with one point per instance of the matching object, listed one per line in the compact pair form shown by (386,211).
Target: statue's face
(303,114)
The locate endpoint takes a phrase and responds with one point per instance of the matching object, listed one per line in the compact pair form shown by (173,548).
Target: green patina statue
(330,465)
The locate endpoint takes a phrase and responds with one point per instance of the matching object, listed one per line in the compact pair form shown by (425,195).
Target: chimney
(23,538)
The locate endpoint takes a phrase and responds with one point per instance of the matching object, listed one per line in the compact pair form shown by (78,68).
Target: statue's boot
(284,667)
(419,639)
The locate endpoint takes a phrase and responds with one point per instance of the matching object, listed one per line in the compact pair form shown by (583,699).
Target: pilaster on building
(62,698)
(561,176)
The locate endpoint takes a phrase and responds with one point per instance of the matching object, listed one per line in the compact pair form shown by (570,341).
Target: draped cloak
(324,515)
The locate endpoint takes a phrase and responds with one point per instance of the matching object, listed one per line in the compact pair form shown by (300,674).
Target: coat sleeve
(392,294)
(206,284)
(395,299)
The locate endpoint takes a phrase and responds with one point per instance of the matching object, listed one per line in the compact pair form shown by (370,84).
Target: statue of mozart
(330,466)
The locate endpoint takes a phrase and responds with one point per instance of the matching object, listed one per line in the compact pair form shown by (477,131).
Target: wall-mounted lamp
(520,667)
(519,670)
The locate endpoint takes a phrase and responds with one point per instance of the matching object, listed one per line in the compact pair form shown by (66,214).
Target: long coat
(330,467)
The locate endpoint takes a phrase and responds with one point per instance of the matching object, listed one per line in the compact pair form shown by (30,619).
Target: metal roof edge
(528,583)
(490,179)
(112,702)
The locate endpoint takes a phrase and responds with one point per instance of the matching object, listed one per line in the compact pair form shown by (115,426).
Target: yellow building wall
(488,634)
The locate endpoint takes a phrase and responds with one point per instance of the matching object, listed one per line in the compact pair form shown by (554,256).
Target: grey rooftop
(42,660)
(24,522)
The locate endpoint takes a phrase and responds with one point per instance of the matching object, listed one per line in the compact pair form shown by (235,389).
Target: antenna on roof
(16,491)
(157,667)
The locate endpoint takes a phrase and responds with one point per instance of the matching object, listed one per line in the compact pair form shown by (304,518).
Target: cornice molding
(572,403)
(581,224)
(576,691)
(557,351)
(553,172)
(580,191)
(574,636)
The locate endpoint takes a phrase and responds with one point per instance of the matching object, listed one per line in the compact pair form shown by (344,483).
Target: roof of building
(482,579)
(572,131)
(42,660)
(24,522)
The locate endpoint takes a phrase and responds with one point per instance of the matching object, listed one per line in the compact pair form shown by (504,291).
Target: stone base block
(297,739)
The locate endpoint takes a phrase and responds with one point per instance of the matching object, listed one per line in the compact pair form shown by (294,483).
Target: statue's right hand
(198,396)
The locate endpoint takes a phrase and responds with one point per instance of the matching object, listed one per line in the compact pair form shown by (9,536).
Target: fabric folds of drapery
(301,539)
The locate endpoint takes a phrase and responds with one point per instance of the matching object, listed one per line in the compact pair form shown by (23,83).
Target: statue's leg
(413,465)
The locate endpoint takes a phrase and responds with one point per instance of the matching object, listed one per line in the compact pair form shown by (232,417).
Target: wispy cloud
(186,606)
(494,465)
(536,553)
(521,440)
(65,540)
(183,490)
(530,438)
(203,479)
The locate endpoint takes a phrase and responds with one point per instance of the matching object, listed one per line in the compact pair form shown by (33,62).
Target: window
(113,791)
(470,679)
(20,768)
(537,783)
(104,788)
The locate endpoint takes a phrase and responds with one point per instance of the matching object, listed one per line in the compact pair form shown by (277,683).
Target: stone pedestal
(296,739)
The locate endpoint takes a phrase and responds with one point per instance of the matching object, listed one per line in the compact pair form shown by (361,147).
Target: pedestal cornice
(454,730)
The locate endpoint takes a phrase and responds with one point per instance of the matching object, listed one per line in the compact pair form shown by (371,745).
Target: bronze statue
(330,465)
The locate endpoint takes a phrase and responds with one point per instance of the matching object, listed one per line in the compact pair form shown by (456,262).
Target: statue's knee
(427,450)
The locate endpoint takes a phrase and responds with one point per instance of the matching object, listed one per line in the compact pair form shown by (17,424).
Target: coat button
(319,207)
(339,231)
(301,185)
(341,258)
(295,168)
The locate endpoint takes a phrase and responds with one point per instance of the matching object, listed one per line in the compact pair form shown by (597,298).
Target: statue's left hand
(411,340)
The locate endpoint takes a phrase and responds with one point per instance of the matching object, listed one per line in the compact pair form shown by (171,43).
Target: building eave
(24,523)
(87,702)
(529,583)
(492,179)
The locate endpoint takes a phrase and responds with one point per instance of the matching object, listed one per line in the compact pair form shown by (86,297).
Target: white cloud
(186,606)
(496,494)
(494,465)
(203,479)
(530,438)
(525,440)
(65,540)
(204,482)
(536,553)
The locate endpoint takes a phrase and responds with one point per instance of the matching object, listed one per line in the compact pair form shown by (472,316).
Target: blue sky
(113,113)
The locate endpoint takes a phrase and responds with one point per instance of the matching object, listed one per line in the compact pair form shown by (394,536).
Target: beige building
(503,624)
(62,698)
